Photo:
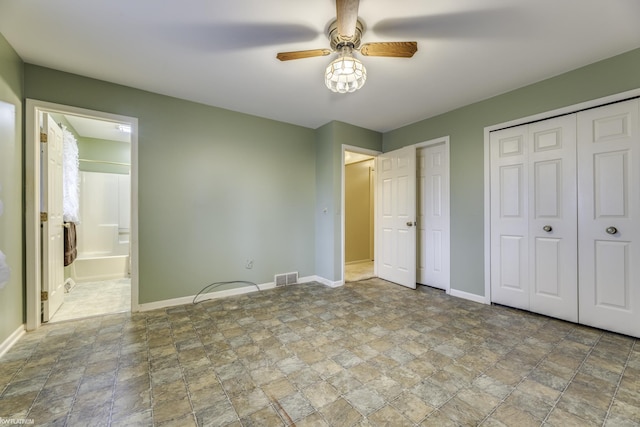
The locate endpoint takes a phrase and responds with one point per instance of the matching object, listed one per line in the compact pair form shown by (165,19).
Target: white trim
(447,259)
(466,295)
(222,294)
(440,140)
(435,141)
(374,154)
(6,345)
(307,279)
(487,164)
(208,296)
(326,282)
(32,200)
(487,217)
(566,110)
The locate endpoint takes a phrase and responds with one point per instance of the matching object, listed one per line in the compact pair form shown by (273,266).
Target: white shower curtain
(70,178)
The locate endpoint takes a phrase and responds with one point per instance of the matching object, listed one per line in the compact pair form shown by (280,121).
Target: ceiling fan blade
(392,49)
(490,23)
(231,36)
(300,54)
(347,16)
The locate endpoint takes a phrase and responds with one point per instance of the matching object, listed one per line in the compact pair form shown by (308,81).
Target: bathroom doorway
(100,269)
(98,281)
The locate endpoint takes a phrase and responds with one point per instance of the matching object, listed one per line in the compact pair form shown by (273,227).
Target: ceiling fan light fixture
(346,73)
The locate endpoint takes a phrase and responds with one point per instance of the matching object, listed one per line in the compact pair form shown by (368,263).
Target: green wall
(11,188)
(329,141)
(110,156)
(105,152)
(466,126)
(216,188)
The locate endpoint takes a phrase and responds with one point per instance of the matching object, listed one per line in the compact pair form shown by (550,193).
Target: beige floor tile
(340,412)
(388,416)
(561,418)
(512,416)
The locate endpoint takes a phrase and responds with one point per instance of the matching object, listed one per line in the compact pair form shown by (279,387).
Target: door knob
(547,228)
(410,224)
(611,230)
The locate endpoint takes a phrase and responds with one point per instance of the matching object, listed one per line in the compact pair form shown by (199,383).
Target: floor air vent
(286,279)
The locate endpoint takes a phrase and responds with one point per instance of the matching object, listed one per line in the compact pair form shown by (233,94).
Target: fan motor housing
(336,41)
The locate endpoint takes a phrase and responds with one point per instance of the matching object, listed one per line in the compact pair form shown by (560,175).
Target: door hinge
(43,137)
(44,217)
(44,296)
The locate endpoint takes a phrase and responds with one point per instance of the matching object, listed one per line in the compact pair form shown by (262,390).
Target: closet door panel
(610,171)
(509,218)
(547,269)
(553,254)
(609,206)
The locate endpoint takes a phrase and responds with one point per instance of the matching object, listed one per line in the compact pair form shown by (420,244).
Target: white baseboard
(11,340)
(217,295)
(466,295)
(210,295)
(328,282)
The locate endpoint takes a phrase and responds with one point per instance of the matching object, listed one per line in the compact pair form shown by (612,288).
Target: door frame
(33,192)
(374,154)
(444,140)
(487,164)
(441,140)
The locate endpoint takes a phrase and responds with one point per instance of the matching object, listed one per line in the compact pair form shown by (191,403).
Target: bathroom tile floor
(95,298)
(369,353)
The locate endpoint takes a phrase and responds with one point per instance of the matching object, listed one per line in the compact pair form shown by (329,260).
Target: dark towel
(70,250)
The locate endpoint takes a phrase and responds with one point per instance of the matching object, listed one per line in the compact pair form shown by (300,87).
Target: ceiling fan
(347,73)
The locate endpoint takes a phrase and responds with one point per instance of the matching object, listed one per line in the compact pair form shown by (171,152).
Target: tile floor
(95,298)
(358,271)
(367,354)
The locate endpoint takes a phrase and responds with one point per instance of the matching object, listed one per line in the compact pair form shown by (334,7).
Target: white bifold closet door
(565,217)
(609,217)
(533,221)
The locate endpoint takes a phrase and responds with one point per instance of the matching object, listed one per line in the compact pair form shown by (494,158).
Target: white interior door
(553,258)
(609,217)
(396,258)
(52,228)
(433,216)
(510,217)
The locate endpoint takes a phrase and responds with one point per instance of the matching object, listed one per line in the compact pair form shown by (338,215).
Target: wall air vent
(292,278)
(280,279)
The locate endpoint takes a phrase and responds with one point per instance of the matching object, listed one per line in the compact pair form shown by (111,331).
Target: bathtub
(97,268)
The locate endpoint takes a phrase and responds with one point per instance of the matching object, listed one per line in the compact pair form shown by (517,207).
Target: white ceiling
(223,53)
(100,129)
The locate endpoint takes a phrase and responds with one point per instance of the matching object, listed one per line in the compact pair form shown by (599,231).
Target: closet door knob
(611,230)
(547,228)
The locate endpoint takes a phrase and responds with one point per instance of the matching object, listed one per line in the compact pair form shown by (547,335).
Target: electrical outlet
(249,264)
